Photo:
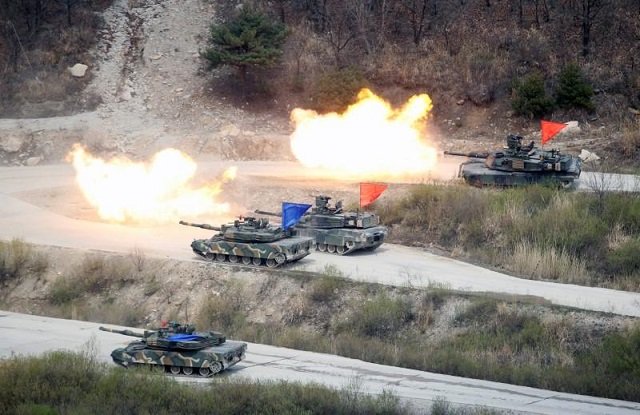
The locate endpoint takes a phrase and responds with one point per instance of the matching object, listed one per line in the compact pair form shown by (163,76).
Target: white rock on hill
(78,70)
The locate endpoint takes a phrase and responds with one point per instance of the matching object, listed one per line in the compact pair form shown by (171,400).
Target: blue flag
(292,212)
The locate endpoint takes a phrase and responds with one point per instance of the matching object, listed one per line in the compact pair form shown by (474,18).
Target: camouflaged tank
(518,165)
(179,349)
(251,241)
(339,232)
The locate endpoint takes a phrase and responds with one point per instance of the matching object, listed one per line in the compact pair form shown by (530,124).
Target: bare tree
(416,11)
(586,13)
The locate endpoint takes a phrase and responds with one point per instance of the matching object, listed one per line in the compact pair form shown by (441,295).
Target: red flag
(369,192)
(550,129)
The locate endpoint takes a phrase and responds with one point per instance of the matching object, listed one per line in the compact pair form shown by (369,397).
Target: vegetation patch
(538,232)
(63,382)
(19,259)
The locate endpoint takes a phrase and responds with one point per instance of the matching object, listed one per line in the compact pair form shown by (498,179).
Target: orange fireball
(370,139)
(158,191)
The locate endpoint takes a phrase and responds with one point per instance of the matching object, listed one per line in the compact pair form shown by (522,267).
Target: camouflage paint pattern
(204,362)
(207,354)
(518,165)
(251,241)
(339,232)
(272,254)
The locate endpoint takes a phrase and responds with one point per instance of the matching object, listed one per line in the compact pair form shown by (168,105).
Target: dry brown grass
(538,262)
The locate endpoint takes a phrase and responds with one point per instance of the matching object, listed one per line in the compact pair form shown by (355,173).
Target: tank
(336,231)
(518,164)
(251,241)
(178,349)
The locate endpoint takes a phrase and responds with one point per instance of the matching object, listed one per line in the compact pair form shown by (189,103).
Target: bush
(625,259)
(530,98)
(573,91)
(380,317)
(334,91)
(63,382)
(18,259)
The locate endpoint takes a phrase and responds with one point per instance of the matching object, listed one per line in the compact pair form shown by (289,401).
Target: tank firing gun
(201,225)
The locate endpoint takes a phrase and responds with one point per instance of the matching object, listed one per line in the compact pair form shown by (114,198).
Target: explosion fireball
(370,139)
(158,191)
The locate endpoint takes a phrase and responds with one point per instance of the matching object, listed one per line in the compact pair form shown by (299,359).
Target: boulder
(78,70)
(11,143)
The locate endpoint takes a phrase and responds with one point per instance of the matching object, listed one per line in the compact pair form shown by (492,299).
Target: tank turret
(251,241)
(517,164)
(337,231)
(178,349)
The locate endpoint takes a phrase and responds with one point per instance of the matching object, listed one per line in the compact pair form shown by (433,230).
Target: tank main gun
(201,225)
(125,332)
(266,212)
(472,154)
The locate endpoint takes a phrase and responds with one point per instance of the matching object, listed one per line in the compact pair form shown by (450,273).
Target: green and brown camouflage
(251,241)
(517,165)
(337,231)
(184,352)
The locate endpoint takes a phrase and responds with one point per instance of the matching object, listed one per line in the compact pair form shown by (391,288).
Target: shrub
(530,98)
(573,91)
(381,316)
(625,260)
(326,287)
(18,259)
(334,91)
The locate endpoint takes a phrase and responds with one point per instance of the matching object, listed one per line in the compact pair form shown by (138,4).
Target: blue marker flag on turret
(292,212)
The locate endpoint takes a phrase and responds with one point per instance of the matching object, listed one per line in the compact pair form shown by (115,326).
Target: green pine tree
(530,98)
(251,39)
(573,91)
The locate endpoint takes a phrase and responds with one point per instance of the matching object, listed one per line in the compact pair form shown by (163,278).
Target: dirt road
(27,335)
(43,220)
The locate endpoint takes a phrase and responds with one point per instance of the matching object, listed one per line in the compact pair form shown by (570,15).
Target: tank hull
(343,241)
(204,362)
(272,254)
(477,174)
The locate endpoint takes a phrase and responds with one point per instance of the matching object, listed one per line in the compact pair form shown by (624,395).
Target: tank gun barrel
(200,225)
(125,332)
(266,212)
(473,154)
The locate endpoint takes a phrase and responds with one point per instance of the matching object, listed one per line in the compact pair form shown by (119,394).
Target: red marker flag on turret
(369,192)
(550,129)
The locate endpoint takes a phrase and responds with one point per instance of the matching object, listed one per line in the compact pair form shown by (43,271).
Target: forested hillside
(512,57)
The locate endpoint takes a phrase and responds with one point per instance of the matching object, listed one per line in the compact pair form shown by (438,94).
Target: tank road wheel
(271,263)
(246,260)
(331,249)
(221,257)
(322,247)
(256,261)
(175,370)
(204,372)
(281,259)
(187,370)
(234,259)
(209,256)
(340,250)
(216,367)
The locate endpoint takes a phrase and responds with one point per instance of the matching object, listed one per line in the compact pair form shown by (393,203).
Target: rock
(126,93)
(587,156)
(156,56)
(33,161)
(460,102)
(78,70)
(571,128)
(11,143)
(230,130)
